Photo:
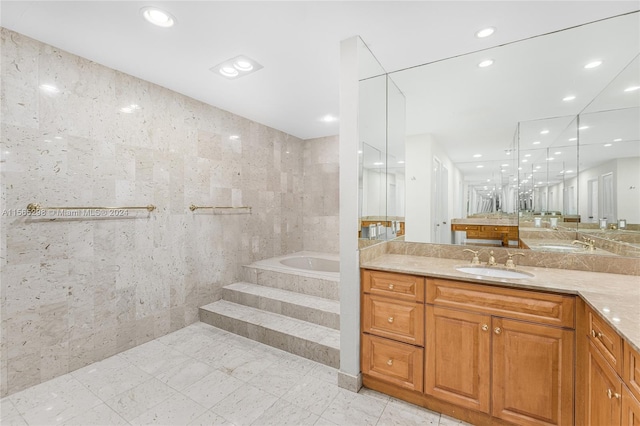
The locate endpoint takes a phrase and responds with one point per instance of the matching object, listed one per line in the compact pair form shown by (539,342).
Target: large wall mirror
(534,144)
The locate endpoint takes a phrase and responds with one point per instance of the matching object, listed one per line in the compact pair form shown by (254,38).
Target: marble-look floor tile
(139,399)
(183,375)
(7,409)
(354,409)
(374,394)
(324,422)
(213,388)
(277,381)
(284,413)
(55,401)
(312,394)
(97,416)
(180,410)
(244,405)
(400,413)
(325,373)
(210,418)
(110,377)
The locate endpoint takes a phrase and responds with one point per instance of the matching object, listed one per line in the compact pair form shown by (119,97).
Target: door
(592,199)
(457,361)
(608,199)
(603,408)
(532,373)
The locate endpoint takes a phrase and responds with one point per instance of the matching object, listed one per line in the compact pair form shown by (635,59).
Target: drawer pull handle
(391,286)
(485,327)
(596,333)
(497,330)
(390,320)
(390,363)
(612,394)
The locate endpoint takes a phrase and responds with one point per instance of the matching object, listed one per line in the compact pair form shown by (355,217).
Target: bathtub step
(313,309)
(312,341)
(292,281)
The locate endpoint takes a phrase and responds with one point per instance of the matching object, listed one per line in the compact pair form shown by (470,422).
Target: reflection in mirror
(472,162)
(610,165)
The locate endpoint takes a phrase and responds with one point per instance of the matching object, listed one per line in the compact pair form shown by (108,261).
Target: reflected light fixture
(607,144)
(583,127)
(557,153)
(236,67)
(568,98)
(618,140)
(485,63)
(329,118)
(477,155)
(400,162)
(544,132)
(536,143)
(632,89)
(573,139)
(593,64)
(485,32)
(378,163)
(158,17)
(479,166)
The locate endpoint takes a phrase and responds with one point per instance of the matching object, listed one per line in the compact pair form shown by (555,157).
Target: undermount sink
(493,272)
(560,247)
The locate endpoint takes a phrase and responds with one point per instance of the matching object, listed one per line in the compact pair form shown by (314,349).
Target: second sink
(494,272)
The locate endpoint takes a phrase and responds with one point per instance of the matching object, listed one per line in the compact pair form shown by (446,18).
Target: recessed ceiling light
(486,63)
(378,163)
(243,64)
(505,165)
(236,67)
(525,160)
(593,64)
(557,153)
(485,32)
(583,127)
(329,118)
(617,140)
(544,132)
(632,88)
(479,166)
(359,151)
(573,139)
(568,98)
(569,171)
(234,137)
(477,155)
(607,144)
(158,17)
(229,71)
(527,155)
(49,88)
(550,159)
(536,143)
(400,162)
(537,167)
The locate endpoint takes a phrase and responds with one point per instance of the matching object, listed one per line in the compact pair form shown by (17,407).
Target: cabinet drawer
(493,228)
(393,362)
(398,286)
(395,319)
(631,374)
(465,227)
(542,308)
(608,342)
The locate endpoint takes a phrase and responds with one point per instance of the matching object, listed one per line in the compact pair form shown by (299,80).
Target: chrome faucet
(510,264)
(476,259)
(587,243)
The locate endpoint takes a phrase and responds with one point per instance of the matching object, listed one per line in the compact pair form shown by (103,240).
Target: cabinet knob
(485,327)
(390,363)
(495,229)
(390,320)
(497,330)
(391,286)
(596,333)
(612,394)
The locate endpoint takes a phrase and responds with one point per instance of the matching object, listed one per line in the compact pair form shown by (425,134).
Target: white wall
(628,189)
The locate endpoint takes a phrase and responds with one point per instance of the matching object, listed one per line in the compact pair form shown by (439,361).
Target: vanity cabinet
(487,354)
(392,319)
(483,352)
(611,374)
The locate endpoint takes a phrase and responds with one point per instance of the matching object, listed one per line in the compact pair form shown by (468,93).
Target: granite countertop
(615,297)
(534,244)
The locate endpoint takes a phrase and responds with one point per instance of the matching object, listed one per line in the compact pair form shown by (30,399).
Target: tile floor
(201,375)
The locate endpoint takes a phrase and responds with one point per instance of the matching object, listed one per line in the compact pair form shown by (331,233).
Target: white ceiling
(297,42)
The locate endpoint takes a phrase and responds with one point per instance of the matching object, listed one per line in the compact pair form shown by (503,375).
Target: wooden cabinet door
(457,347)
(630,409)
(532,373)
(603,407)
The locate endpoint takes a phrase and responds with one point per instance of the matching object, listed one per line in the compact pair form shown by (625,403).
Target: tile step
(313,309)
(302,338)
